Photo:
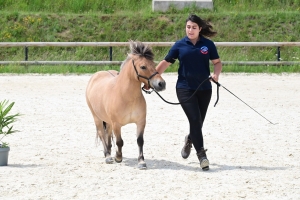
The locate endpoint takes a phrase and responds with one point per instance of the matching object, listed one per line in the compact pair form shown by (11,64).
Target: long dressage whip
(218,86)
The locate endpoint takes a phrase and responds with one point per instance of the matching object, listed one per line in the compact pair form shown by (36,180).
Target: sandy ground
(55,155)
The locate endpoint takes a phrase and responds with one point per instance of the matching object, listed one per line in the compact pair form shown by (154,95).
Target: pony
(115,99)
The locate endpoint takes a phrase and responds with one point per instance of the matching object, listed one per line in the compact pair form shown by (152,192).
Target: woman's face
(192,30)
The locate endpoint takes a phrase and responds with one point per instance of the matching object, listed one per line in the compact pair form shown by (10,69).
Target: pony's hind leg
(108,135)
(103,134)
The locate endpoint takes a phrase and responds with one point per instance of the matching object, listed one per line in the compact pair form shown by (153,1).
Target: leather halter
(138,75)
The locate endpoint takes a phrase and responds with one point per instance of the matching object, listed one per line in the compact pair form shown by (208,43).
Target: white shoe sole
(204,164)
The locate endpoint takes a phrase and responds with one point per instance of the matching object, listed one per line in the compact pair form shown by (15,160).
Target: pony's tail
(98,138)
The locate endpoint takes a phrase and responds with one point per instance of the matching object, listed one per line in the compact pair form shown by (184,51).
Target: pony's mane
(140,49)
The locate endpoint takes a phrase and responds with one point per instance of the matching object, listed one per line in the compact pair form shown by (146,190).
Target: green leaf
(7,120)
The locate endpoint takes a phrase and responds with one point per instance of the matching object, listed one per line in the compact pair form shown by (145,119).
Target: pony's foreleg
(119,142)
(140,142)
(103,134)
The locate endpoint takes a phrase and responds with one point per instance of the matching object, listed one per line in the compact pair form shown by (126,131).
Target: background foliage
(119,21)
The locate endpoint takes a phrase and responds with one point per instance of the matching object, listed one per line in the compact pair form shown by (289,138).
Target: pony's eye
(143,67)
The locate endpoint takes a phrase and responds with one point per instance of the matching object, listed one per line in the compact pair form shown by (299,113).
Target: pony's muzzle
(158,85)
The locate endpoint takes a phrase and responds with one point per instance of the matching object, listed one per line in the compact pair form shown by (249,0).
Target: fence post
(26,53)
(110,53)
(278,53)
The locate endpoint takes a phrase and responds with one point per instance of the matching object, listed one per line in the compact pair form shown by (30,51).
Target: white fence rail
(162,44)
(156,44)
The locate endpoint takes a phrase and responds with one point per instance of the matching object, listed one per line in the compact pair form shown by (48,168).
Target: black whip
(218,85)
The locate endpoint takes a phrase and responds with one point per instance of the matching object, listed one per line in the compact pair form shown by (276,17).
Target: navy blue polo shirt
(193,62)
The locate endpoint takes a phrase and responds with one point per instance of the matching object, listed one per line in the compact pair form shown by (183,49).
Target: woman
(194,53)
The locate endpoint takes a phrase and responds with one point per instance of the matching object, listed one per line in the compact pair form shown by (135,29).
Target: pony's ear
(134,44)
(131,43)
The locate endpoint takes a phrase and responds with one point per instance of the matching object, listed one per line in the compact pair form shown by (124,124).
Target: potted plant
(6,128)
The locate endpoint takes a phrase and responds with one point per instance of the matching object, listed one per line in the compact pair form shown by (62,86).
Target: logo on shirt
(204,50)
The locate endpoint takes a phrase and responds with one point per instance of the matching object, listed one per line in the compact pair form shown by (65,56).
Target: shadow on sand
(193,166)
(22,165)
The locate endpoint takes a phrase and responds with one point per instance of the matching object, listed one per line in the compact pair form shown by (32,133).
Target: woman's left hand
(215,77)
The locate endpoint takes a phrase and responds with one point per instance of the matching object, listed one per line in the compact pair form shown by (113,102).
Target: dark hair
(141,49)
(206,27)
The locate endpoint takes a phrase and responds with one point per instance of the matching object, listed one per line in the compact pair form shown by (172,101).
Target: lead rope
(218,86)
(182,101)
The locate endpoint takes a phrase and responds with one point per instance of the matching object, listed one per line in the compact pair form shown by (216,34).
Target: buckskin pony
(115,99)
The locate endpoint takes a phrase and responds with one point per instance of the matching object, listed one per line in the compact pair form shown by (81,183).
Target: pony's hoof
(109,160)
(118,160)
(142,165)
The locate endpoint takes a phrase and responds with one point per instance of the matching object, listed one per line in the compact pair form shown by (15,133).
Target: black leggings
(195,110)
